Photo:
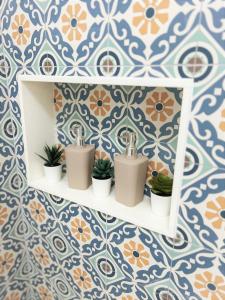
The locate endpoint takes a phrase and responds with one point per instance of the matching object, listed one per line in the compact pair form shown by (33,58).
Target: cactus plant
(161,185)
(102,169)
(54,154)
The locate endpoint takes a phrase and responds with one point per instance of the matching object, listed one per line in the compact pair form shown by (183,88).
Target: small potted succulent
(52,165)
(161,191)
(102,177)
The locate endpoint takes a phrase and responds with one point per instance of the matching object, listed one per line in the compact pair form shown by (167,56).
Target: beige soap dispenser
(79,161)
(130,173)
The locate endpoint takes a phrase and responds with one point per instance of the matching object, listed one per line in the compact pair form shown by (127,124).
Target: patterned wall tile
(13,232)
(4,71)
(12,129)
(113,115)
(195,190)
(41,258)
(162,290)
(154,111)
(208,283)
(96,108)
(89,229)
(49,251)
(11,261)
(196,277)
(202,218)
(208,121)
(23,32)
(41,291)
(206,220)
(10,180)
(7,127)
(196,160)
(15,295)
(141,258)
(71,242)
(213,13)
(64,288)
(82,71)
(147,24)
(113,38)
(71,29)
(108,112)
(39,207)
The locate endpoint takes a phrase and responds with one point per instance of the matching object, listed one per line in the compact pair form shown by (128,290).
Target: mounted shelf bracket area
(39,126)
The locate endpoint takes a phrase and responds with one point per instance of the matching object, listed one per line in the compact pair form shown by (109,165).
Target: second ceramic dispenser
(130,173)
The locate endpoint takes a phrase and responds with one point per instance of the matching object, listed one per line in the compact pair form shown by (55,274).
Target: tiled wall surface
(106,113)
(53,249)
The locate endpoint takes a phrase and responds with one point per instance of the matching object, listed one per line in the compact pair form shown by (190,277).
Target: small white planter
(160,205)
(101,187)
(53,174)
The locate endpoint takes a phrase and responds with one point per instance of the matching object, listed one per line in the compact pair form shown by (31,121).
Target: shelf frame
(38,125)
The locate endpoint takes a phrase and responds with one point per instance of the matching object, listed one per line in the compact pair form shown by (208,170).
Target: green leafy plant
(102,169)
(161,185)
(53,155)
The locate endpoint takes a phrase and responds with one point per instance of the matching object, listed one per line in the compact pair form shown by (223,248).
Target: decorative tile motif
(148,23)
(75,253)
(206,283)
(155,112)
(42,292)
(73,24)
(10,262)
(21,229)
(163,289)
(63,289)
(47,61)
(193,278)
(211,20)
(8,127)
(14,180)
(107,112)
(107,268)
(22,32)
(26,270)
(201,63)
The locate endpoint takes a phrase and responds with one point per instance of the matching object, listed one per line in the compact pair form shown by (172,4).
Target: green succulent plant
(161,185)
(53,155)
(102,169)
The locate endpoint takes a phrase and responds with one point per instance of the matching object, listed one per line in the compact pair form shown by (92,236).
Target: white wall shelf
(38,122)
(138,215)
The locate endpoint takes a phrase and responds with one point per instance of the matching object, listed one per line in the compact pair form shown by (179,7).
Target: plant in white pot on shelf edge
(161,192)
(52,165)
(102,177)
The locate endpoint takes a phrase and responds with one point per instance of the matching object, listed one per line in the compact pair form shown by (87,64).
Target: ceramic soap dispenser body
(130,174)
(79,162)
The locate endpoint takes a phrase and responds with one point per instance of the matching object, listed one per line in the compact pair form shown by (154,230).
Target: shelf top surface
(128,81)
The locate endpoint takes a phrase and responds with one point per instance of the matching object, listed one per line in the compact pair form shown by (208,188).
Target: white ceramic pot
(53,174)
(160,205)
(101,187)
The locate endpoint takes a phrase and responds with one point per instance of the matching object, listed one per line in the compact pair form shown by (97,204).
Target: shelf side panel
(38,121)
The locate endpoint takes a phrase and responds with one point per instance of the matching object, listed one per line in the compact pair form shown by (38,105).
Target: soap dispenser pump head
(78,132)
(130,139)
